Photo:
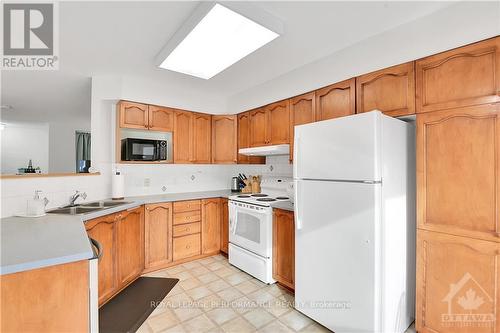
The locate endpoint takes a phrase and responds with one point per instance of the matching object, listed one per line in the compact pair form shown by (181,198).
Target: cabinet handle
(188,247)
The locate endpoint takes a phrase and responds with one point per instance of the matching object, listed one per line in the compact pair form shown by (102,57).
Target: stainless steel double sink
(87,207)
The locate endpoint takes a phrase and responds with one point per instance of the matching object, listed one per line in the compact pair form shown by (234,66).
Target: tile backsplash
(139,180)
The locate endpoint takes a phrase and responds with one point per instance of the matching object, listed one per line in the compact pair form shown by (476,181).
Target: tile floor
(213,296)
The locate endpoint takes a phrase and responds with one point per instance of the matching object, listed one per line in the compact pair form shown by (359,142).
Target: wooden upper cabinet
(465,76)
(224,139)
(244,140)
(133,115)
(224,227)
(183,135)
(130,245)
(284,247)
(336,100)
(202,138)
(456,276)
(458,171)
(258,127)
(390,90)
(158,234)
(302,111)
(210,225)
(161,119)
(278,123)
(102,229)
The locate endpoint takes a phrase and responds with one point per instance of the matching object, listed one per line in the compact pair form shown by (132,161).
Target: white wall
(22,141)
(62,150)
(451,27)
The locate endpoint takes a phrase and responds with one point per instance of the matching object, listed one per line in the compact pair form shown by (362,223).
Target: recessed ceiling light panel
(221,38)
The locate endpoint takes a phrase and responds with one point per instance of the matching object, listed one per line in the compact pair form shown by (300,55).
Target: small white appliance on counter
(354,180)
(251,228)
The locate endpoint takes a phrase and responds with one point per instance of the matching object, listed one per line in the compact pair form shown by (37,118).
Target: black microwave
(144,150)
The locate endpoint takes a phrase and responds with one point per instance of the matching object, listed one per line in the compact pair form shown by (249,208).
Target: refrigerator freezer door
(346,148)
(337,254)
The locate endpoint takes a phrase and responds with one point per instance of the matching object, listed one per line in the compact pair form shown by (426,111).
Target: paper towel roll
(117,186)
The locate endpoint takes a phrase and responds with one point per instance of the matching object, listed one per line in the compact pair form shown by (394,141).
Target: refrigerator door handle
(295,155)
(298,221)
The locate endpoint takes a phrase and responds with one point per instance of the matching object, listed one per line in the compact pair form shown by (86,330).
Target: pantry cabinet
(102,229)
(158,235)
(224,234)
(458,171)
(302,111)
(336,100)
(244,140)
(183,137)
(465,76)
(202,138)
(390,90)
(130,245)
(133,115)
(210,225)
(284,247)
(457,278)
(224,139)
(160,118)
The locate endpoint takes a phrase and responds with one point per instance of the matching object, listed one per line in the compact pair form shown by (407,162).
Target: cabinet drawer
(187,246)
(186,206)
(186,229)
(187,217)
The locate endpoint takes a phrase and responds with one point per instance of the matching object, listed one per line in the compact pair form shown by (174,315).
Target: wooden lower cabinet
(224,226)
(102,229)
(284,247)
(158,234)
(210,225)
(130,245)
(50,299)
(187,246)
(458,284)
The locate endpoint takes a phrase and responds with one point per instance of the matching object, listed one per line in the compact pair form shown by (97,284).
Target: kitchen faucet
(75,196)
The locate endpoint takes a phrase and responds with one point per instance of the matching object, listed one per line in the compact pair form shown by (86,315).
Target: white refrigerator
(354,181)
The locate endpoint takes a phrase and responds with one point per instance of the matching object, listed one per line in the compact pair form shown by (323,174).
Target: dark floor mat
(131,307)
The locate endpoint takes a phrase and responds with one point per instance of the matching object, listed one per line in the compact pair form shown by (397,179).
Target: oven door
(250,227)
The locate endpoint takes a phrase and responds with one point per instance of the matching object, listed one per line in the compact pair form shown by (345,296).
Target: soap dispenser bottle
(36,206)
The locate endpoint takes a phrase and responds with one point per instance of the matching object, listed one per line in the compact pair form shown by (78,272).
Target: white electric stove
(251,228)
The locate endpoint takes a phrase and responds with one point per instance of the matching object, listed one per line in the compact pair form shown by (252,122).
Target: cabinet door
(133,115)
(210,225)
(161,119)
(202,139)
(183,135)
(458,282)
(102,230)
(130,245)
(258,128)
(336,100)
(283,247)
(244,140)
(224,234)
(390,90)
(458,171)
(224,139)
(468,75)
(302,111)
(158,234)
(278,123)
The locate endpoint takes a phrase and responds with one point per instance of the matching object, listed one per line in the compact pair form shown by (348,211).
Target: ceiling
(123,39)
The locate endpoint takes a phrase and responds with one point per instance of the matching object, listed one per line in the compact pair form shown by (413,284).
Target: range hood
(266,150)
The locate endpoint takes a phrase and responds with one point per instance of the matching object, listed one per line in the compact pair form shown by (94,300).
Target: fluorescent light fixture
(221,38)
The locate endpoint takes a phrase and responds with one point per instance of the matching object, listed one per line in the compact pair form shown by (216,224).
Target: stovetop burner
(243,196)
(259,195)
(266,199)
(282,198)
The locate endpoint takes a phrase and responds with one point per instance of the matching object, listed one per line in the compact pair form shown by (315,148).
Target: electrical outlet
(147,182)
